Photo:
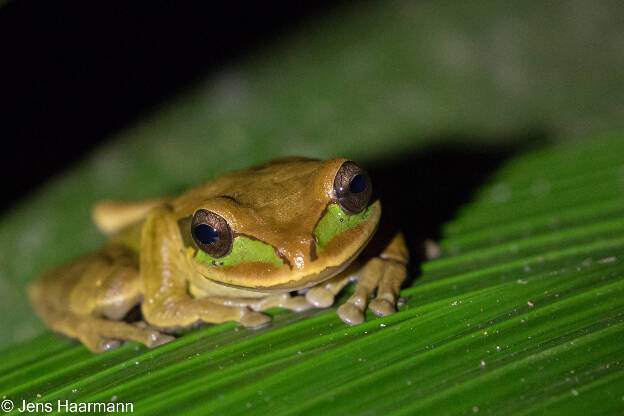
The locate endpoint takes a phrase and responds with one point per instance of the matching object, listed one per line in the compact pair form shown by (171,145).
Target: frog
(289,233)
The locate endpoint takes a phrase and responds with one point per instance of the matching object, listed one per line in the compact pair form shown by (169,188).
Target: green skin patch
(334,222)
(247,250)
(244,250)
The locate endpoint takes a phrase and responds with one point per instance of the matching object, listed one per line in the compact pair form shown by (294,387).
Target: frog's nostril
(313,255)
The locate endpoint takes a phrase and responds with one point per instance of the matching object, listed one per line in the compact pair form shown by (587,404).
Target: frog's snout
(299,251)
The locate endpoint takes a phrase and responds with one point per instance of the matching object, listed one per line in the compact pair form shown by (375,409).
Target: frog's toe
(150,336)
(320,297)
(299,304)
(94,340)
(156,339)
(350,314)
(254,320)
(104,344)
(381,307)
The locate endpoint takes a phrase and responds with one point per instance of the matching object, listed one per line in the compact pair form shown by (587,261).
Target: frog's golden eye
(352,187)
(211,233)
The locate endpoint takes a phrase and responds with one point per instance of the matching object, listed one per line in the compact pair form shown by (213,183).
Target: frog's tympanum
(287,233)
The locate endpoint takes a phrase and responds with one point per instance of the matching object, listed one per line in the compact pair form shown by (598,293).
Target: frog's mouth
(334,253)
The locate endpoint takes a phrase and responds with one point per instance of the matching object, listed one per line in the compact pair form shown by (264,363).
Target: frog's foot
(186,312)
(281,300)
(99,334)
(254,320)
(106,335)
(386,277)
(388,289)
(320,297)
(323,295)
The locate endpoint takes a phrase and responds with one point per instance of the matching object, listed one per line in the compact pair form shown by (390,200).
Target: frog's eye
(352,187)
(211,233)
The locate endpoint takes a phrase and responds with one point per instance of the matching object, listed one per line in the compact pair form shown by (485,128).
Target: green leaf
(522,314)
(369,81)
(373,81)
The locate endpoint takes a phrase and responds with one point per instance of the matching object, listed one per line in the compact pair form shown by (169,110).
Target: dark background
(73,73)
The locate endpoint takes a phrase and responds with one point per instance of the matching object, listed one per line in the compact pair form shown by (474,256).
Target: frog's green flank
(334,222)
(244,250)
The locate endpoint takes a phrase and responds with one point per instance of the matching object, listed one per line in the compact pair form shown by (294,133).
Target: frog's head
(285,225)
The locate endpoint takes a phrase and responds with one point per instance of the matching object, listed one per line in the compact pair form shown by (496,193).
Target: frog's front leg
(279,300)
(164,271)
(385,274)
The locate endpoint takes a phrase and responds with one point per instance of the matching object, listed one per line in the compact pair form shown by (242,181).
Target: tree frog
(288,233)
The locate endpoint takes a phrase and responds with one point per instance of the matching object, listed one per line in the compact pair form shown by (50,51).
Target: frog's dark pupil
(205,234)
(358,184)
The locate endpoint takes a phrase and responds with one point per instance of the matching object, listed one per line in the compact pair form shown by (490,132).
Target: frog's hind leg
(87,298)
(112,216)
(99,334)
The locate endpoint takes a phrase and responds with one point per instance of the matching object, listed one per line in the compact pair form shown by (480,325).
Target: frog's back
(253,187)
